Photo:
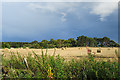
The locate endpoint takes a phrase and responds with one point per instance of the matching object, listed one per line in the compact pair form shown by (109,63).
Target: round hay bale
(27,48)
(108,48)
(99,51)
(55,48)
(63,48)
(80,48)
(21,48)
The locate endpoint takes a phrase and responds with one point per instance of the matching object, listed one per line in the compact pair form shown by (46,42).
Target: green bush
(45,66)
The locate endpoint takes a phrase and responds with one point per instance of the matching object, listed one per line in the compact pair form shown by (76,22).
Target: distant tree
(97,42)
(34,42)
(7,45)
(44,43)
(36,46)
(59,42)
(100,42)
(52,41)
(27,45)
(73,42)
(81,41)
(106,40)
(112,43)
(92,42)
(51,45)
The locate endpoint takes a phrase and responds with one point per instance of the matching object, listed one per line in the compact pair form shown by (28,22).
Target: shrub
(45,66)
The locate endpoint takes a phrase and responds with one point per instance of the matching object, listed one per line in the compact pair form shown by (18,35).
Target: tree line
(81,41)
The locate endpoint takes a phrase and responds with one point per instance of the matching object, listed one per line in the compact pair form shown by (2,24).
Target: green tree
(34,42)
(73,42)
(44,43)
(52,41)
(100,42)
(6,45)
(82,40)
(106,40)
(37,46)
(58,43)
(92,42)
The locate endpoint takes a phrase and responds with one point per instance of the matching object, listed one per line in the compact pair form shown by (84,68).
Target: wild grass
(55,67)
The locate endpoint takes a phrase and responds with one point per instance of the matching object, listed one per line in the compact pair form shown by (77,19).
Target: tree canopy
(81,41)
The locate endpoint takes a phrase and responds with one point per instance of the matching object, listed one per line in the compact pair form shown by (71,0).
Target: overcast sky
(27,21)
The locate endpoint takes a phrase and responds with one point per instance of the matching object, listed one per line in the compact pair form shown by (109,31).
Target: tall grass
(45,66)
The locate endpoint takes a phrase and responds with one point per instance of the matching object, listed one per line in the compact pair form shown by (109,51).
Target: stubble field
(107,53)
(72,62)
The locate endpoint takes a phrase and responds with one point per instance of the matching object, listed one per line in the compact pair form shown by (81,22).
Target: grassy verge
(46,66)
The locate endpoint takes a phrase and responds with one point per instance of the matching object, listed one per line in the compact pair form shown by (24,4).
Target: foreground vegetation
(81,41)
(52,67)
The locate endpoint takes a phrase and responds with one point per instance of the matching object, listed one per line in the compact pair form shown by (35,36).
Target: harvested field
(68,53)
(73,60)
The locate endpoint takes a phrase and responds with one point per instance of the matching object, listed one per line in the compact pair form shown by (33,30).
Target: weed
(45,66)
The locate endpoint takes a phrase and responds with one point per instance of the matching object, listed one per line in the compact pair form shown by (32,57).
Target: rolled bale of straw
(99,50)
(27,48)
(55,48)
(80,48)
(63,48)
(108,48)
(21,48)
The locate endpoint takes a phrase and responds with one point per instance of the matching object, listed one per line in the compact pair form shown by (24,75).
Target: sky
(29,21)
